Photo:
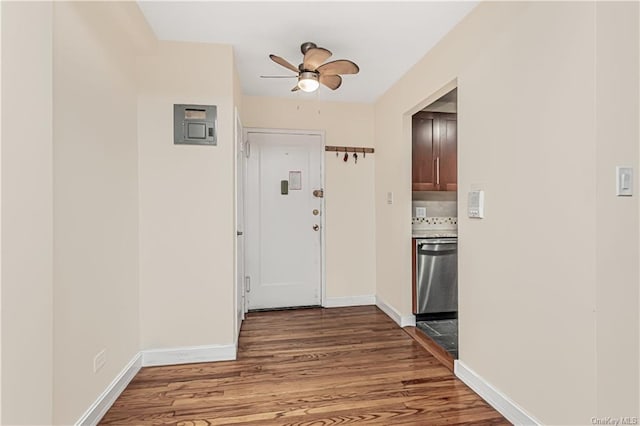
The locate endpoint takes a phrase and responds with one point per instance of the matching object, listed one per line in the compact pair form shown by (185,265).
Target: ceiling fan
(312,71)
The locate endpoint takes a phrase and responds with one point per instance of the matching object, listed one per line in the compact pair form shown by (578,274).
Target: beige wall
(96,300)
(237,89)
(27,229)
(186,200)
(86,279)
(531,271)
(617,110)
(349,196)
(0,215)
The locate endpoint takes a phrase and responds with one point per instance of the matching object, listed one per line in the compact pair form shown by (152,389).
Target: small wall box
(195,125)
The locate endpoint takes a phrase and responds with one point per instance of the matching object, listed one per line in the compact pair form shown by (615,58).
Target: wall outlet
(99,360)
(421,212)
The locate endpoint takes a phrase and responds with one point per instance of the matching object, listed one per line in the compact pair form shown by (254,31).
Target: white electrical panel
(624,181)
(475,205)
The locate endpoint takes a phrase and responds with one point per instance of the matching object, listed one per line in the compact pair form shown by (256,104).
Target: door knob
(316,227)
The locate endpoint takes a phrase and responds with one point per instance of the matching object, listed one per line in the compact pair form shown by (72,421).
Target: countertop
(435,233)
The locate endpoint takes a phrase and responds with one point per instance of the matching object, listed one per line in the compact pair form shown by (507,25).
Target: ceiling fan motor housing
(306,46)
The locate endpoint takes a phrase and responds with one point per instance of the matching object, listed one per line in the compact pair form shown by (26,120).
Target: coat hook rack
(346,149)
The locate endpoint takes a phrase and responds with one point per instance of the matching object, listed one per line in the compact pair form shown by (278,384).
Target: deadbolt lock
(316,227)
(316,212)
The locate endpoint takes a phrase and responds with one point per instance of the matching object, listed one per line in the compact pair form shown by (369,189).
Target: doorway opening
(434,220)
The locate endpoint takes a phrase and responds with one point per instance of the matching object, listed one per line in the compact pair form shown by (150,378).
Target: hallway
(310,366)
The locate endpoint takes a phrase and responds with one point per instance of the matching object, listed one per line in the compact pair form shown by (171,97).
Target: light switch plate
(389,197)
(624,181)
(421,212)
(475,204)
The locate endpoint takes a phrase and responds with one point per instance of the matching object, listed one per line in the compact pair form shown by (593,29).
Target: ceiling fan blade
(278,76)
(331,81)
(341,66)
(295,88)
(315,57)
(278,60)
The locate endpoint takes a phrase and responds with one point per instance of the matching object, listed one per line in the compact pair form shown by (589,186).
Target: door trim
(321,133)
(239,189)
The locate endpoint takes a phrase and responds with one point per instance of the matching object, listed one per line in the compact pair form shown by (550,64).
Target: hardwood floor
(308,367)
(430,346)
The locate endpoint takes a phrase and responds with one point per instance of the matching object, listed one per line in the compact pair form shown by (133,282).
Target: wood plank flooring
(308,367)
(430,346)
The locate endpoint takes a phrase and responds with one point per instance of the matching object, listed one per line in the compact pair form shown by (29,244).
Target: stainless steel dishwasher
(437,277)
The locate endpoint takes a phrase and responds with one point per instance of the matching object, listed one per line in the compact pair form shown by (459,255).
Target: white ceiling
(384,38)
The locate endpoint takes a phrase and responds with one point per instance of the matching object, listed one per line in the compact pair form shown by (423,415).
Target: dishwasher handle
(437,246)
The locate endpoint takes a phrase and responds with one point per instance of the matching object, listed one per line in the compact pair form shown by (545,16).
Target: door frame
(303,132)
(406,136)
(239,142)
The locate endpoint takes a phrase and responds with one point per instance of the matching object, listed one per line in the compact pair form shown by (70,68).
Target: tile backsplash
(434,220)
(440,214)
(436,208)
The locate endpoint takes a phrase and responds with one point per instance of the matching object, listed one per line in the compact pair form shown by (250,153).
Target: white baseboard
(339,302)
(148,358)
(188,354)
(99,408)
(505,406)
(402,321)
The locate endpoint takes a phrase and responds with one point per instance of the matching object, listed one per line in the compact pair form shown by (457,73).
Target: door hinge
(247,283)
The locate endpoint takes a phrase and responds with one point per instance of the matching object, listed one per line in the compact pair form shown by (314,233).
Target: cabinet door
(422,134)
(447,144)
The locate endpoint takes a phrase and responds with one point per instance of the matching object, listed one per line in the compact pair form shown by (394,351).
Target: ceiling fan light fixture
(308,81)
(314,70)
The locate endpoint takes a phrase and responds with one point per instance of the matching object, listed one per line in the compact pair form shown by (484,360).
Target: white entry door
(283,220)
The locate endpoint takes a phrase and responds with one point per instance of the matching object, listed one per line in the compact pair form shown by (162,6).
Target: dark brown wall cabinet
(435,140)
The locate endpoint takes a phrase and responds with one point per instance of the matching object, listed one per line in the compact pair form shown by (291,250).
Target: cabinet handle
(437,170)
